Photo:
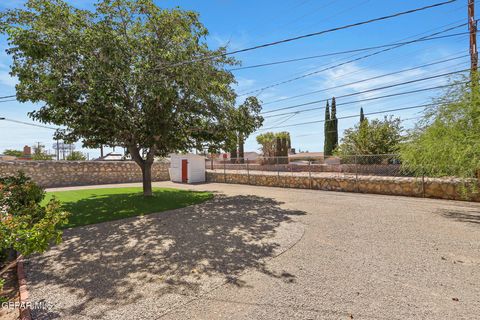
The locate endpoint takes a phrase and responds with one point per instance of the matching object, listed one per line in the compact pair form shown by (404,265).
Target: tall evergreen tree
(334,125)
(327,146)
(362,115)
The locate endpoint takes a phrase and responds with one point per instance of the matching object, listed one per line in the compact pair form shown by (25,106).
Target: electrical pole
(472,26)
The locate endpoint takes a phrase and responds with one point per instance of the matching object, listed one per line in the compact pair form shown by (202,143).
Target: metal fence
(379,165)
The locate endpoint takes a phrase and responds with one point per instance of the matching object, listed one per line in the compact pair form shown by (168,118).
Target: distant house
(27,153)
(307,156)
(7,158)
(251,155)
(112,156)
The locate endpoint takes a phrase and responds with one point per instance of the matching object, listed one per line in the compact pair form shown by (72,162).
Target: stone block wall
(452,189)
(75,173)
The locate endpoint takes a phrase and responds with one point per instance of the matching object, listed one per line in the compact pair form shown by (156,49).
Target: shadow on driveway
(186,251)
(463,216)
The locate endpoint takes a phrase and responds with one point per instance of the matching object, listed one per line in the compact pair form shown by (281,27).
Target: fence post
(248,174)
(423,183)
(356,174)
(309,174)
(211,162)
(278,172)
(290,167)
(224,171)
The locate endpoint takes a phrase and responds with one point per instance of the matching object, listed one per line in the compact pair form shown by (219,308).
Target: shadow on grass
(185,251)
(94,206)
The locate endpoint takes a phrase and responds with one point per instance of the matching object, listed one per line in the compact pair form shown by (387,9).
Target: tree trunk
(241,153)
(146,166)
(147,178)
(233,155)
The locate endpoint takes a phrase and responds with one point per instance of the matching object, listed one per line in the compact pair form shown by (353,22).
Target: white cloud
(232,42)
(244,84)
(7,80)
(353,73)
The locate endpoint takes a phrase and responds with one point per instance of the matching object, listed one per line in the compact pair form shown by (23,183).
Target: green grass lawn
(91,206)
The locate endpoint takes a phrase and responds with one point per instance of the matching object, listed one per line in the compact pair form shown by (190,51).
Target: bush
(369,139)
(25,225)
(447,141)
(76,156)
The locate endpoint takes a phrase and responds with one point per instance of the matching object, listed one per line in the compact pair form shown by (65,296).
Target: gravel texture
(270,253)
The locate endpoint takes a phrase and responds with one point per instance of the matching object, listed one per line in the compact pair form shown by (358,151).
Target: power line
(380,97)
(367,79)
(338,104)
(367,91)
(285,120)
(5,97)
(29,124)
(9,100)
(382,62)
(428,37)
(347,62)
(343,52)
(354,116)
(348,26)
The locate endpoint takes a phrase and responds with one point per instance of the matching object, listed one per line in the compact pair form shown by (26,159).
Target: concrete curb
(25,313)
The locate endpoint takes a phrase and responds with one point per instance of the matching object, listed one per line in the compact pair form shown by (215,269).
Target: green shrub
(25,225)
(446,142)
(76,156)
(371,137)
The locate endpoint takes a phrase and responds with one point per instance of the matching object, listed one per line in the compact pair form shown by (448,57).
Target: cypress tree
(334,125)
(327,146)
(362,115)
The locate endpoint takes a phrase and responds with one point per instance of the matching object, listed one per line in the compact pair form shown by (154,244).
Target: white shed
(187,168)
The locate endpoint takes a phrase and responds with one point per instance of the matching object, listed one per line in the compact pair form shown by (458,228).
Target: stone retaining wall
(452,189)
(74,173)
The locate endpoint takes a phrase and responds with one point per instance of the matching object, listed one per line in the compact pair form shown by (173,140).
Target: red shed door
(184,170)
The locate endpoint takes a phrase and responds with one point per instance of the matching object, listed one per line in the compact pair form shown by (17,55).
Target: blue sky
(241,24)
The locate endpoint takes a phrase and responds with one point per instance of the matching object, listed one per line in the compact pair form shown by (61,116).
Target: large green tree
(447,141)
(246,120)
(275,144)
(117,76)
(242,122)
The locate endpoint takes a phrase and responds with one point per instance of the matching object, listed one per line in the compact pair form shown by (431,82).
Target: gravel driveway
(270,253)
